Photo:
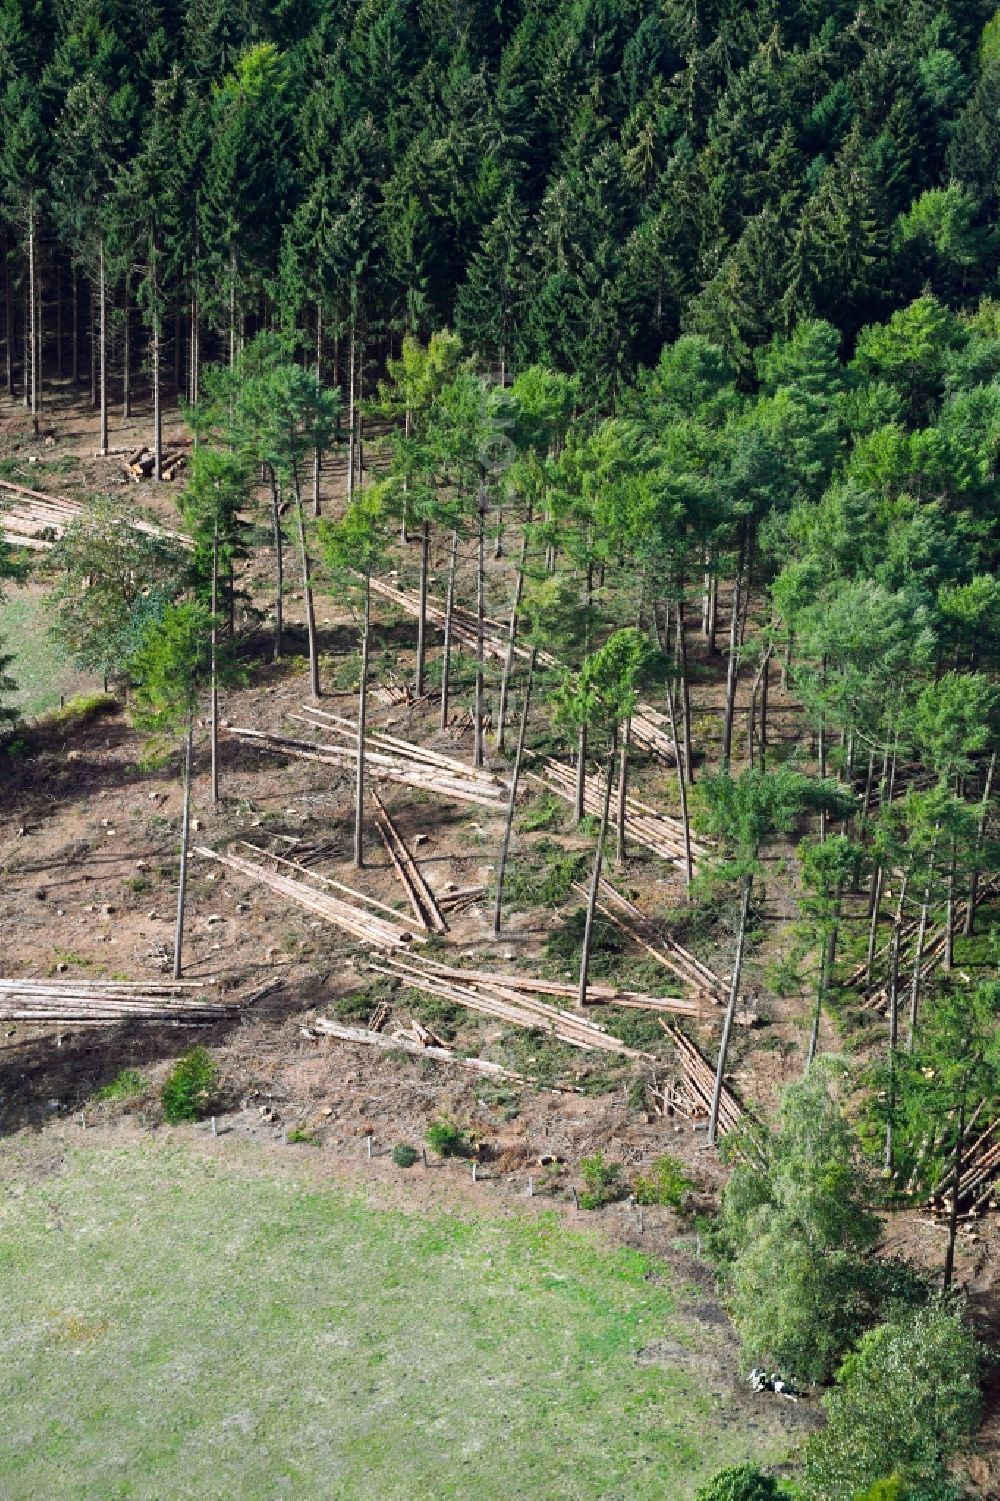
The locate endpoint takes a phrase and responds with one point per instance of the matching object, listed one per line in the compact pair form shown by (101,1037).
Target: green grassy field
(174,1326)
(38,668)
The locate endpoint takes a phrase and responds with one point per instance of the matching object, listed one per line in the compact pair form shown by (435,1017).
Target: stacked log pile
(607,995)
(36,520)
(699,1083)
(643,824)
(97,1003)
(351,917)
(977,1183)
(875,997)
(421,897)
(654,938)
(387,759)
(494,998)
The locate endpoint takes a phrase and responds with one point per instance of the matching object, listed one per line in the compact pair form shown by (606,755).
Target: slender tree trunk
(157,385)
(732,668)
(33,306)
(970,915)
(713,616)
(918,959)
(425,556)
(821,987)
(9,321)
(317,462)
(103,354)
(878,878)
(595,875)
(893,992)
(448,608)
(76,329)
(351,418)
(622,792)
(126,355)
(508,661)
(949,1255)
(764,687)
(232,306)
(29,319)
(185,835)
(307,594)
(948,957)
(215,666)
(92,344)
(685,696)
(512,800)
(59,322)
(727,1025)
(279,565)
(359,788)
(682,789)
(580,801)
(480,619)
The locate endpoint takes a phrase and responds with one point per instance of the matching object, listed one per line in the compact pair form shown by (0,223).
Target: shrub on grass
(130,1084)
(187,1090)
(447,1138)
(665,1183)
(602,1182)
(740,1483)
(403,1155)
(299,1136)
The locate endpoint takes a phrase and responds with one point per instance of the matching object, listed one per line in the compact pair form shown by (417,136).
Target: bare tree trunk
(215,666)
(448,608)
(622,792)
(764,693)
(59,322)
(685,695)
(307,594)
(595,875)
(33,306)
(948,957)
(949,1255)
(821,986)
(682,789)
(893,991)
(9,321)
(232,306)
(351,417)
(359,787)
(480,620)
(103,356)
(317,462)
(126,355)
(512,800)
(732,668)
(279,565)
(157,381)
(727,1025)
(970,914)
(508,661)
(918,958)
(425,555)
(185,835)
(76,329)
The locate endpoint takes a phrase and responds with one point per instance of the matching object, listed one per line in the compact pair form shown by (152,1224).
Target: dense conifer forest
(524,479)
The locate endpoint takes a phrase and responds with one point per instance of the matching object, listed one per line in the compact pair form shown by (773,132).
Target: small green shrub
(403,1155)
(447,1138)
(740,1483)
(546,812)
(299,1136)
(545,879)
(130,1084)
(187,1090)
(602,1182)
(665,1183)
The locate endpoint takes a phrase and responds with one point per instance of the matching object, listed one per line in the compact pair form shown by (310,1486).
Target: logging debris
(644,825)
(699,1083)
(95,1003)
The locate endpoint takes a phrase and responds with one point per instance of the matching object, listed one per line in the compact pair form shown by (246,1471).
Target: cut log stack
(387,759)
(494,998)
(365,927)
(977,1184)
(699,1083)
(644,825)
(876,997)
(654,938)
(36,520)
(96,1003)
(650,728)
(142,461)
(421,897)
(607,995)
